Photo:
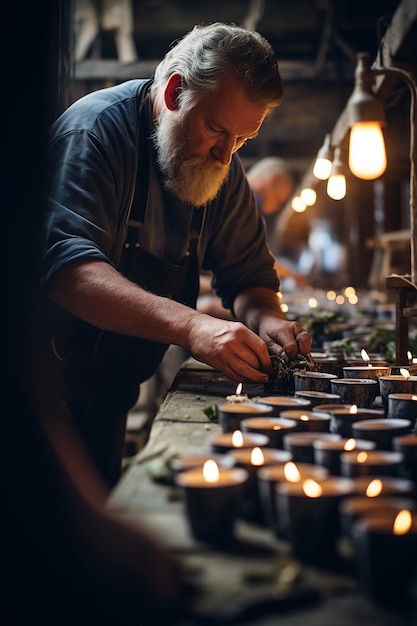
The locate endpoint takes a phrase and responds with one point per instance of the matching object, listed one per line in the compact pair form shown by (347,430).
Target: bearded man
(146,190)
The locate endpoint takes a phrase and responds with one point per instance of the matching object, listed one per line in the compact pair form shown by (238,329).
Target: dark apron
(100,372)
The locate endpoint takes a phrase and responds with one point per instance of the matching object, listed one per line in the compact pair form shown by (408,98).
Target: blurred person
(146,190)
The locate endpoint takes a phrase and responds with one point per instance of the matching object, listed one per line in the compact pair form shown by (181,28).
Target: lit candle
(359,391)
(402,383)
(354,508)
(341,420)
(317,397)
(212,497)
(251,460)
(223,442)
(366,371)
(371,462)
(231,414)
(381,431)
(309,510)
(273,427)
(268,479)
(384,486)
(282,403)
(238,396)
(386,556)
(327,451)
(308,420)
(312,381)
(300,444)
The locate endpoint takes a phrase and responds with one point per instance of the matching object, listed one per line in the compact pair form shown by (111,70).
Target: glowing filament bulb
(237,439)
(402,523)
(367,156)
(211,471)
(291,472)
(374,488)
(311,488)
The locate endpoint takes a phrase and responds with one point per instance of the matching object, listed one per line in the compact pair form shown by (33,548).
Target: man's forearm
(95,292)
(253,303)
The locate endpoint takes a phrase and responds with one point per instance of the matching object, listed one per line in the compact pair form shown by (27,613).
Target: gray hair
(208,54)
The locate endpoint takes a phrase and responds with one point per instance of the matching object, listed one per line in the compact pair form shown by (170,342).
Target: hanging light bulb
(309,196)
(367,155)
(336,185)
(298,204)
(323,164)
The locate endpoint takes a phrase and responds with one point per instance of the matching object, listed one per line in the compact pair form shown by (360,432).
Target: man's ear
(172,91)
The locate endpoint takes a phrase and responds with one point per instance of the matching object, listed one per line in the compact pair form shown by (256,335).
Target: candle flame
(353,409)
(257,457)
(304,418)
(409,355)
(278,427)
(414,397)
(291,472)
(365,355)
(239,389)
(374,488)
(211,471)
(311,488)
(362,456)
(404,372)
(237,439)
(350,444)
(402,522)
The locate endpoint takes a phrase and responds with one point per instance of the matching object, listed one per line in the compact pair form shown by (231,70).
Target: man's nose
(223,149)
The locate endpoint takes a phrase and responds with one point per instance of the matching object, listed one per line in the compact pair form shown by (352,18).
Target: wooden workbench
(257,565)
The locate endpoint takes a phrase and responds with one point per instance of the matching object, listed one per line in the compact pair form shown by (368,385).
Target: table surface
(255,580)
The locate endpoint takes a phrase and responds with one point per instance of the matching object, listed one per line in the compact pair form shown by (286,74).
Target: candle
(403,406)
(341,420)
(381,431)
(268,479)
(359,391)
(386,557)
(212,497)
(403,383)
(374,486)
(407,446)
(371,462)
(223,442)
(366,371)
(273,427)
(317,397)
(308,420)
(354,508)
(282,403)
(251,460)
(300,444)
(312,381)
(327,451)
(238,397)
(231,414)
(309,511)
(329,408)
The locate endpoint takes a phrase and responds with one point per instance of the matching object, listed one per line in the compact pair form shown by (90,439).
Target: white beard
(195,179)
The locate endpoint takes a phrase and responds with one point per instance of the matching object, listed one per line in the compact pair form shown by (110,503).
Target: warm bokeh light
(350,444)
(298,205)
(331,295)
(374,488)
(291,472)
(312,303)
(304,418)
(349,291)
(362,456)
(322,168)
(353,409)
(336,186)
(257,457)
(402,522)
(211,471)
(340,299)
(309,196)
(237,439)
(311,488)
(284,308)
(367,155)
